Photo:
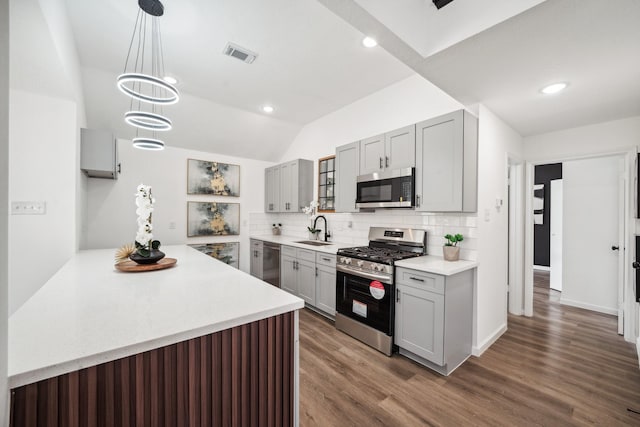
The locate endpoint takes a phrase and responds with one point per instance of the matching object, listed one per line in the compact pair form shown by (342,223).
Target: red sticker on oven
(376,289)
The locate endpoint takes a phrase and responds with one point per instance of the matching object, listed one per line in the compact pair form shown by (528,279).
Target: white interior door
(555,246)
(516,239)
(591,228)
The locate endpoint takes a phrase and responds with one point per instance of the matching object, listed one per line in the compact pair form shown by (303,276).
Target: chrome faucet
(326,233)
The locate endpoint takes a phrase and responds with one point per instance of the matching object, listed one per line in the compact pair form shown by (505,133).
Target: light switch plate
(29,208)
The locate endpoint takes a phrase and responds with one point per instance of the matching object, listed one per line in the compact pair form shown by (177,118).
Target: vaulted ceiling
(311,61)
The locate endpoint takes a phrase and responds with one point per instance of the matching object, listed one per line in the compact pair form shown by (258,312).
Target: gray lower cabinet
(326,283)
(433,323)
(256,267)
(347,171)
(310,276)
(447,163)
(288,272)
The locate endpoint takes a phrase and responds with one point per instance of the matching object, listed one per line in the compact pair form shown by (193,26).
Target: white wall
(496,140)
(47,111)
(607,137)
(408,101)
(4,207)
(590,227)
(42,167)
(111,204)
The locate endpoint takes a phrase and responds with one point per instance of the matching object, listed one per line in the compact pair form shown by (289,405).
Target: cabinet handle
(386,161)
(416,279)
(417,201)
(380,162)
(326,259)
(316,271)
(397,295)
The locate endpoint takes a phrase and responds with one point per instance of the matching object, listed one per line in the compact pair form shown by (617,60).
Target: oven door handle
(372,276)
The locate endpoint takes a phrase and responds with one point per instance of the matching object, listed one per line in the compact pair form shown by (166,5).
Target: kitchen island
(201,343)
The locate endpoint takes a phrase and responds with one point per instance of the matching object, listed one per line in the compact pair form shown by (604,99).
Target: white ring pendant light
(143,81)
(127,84)
(149,121)
(148,144)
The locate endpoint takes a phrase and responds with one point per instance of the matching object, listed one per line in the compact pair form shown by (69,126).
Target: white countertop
(291,241)
(89,313)
(437,265)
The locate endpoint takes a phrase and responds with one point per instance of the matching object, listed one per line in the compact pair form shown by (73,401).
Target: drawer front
(306,255)
(288,251)
(256,244)
(325,259)
(420,280)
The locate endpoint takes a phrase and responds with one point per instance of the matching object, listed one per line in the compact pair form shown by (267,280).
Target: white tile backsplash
(436,225)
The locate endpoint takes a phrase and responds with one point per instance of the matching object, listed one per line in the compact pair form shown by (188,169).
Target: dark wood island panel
(243,376)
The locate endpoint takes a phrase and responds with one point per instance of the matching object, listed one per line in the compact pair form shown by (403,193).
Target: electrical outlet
(28,208)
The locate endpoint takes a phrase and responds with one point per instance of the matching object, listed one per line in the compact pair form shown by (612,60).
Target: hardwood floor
(565,366)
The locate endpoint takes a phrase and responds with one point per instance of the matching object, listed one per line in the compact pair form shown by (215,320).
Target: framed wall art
(213,219)
(227,252)
(213,178)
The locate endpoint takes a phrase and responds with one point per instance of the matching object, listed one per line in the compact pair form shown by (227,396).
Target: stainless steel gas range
(365,288)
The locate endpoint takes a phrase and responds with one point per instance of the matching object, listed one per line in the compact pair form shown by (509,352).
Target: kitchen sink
(313,243)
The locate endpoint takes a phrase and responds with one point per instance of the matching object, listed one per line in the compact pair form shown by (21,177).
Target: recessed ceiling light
(170,80)
(553,88)
(369,42)
(268,108)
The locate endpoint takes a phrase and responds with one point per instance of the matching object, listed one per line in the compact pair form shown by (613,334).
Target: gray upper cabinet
(347,171)
(272,189)
(400,148)
(447,163)
(288,186)
(372,154)
(99,154)
(392,150)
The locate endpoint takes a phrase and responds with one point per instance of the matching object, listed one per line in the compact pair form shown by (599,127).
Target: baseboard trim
(478,350)
(541,268)
(592,307)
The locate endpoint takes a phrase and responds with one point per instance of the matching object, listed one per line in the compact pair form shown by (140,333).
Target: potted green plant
(451,250)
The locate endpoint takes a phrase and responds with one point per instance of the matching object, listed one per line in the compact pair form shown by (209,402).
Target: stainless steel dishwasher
(271,263)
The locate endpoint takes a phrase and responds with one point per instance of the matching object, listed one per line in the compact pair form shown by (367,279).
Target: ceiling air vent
(441,3)
(240,53)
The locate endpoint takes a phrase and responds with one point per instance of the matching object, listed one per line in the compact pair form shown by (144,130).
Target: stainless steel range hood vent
(244,55)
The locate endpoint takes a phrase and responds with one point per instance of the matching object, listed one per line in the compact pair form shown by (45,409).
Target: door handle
(386,161)
(615,248)
(380,162)
(397,295)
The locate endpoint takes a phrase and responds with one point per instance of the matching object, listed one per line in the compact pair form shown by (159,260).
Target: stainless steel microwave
(388,189)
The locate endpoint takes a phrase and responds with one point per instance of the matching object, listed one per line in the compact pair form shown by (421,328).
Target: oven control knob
(347,261)
(360,263)
(380,267)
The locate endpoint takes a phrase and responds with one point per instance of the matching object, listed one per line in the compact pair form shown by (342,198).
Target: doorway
(592,233)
